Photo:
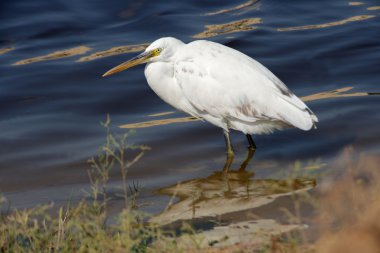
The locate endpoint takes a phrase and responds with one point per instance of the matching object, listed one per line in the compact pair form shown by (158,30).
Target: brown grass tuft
(348,217)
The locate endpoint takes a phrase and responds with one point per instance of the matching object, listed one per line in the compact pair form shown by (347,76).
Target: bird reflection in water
(243,166)
(226,191)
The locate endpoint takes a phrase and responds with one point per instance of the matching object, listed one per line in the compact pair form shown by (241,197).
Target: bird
(220,85)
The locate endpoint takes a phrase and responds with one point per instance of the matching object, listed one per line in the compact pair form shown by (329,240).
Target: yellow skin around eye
(156,52)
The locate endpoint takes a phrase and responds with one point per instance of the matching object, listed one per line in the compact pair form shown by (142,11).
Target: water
(51,106)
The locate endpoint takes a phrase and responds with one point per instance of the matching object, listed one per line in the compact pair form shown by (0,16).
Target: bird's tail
(296,113)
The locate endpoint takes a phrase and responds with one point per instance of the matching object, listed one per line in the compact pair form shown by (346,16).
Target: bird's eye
(157,51)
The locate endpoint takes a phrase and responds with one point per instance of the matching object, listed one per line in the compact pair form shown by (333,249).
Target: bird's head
(160,50)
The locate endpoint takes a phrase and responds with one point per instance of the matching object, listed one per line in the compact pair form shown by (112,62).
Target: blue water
(50,110)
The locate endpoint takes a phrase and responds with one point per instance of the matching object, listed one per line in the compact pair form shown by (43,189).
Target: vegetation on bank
(346,211)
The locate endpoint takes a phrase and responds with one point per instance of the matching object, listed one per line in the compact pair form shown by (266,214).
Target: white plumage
(222,86)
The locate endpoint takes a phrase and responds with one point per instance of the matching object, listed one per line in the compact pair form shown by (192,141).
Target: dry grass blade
(55,55)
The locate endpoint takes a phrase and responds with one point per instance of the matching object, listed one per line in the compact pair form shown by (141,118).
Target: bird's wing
(223,82)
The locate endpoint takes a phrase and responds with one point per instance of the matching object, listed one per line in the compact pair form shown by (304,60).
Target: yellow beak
(141,58)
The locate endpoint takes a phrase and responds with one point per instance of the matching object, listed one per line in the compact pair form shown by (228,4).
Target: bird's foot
(229,160)
(230,154)
(250,154)
(251,148)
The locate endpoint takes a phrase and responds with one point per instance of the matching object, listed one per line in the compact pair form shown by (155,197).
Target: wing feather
(225,83)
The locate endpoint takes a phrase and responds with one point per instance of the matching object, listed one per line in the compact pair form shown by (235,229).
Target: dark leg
(251,152)
(252,144)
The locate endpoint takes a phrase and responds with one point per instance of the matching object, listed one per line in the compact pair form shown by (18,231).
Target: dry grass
(347,209)
(85,226)
(82,227)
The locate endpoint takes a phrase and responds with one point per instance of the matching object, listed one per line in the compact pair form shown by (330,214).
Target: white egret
(221,85)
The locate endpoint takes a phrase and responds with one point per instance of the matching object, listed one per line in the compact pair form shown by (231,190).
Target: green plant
(82,227)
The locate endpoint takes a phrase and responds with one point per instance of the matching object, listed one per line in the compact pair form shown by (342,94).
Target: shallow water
(53,53)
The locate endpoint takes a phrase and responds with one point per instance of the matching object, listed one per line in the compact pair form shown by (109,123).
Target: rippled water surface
(52,95)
